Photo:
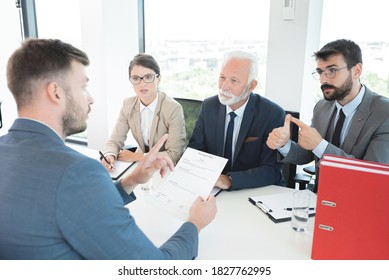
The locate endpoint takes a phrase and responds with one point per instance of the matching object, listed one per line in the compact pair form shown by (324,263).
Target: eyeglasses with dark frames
(330,73)
(149,78)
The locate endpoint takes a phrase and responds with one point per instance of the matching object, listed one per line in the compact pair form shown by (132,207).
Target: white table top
(239,231)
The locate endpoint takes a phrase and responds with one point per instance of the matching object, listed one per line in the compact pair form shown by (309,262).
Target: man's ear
(253,85)
(357,71)
(54,93)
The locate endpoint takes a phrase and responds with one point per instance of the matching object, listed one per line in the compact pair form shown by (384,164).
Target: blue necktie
(228,143)
(338,129)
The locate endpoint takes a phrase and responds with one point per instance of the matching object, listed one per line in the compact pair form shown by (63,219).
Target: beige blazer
(168,118)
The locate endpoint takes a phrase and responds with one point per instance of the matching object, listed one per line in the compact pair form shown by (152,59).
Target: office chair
(289,169)
(290,174)
(191,109)
(304,180)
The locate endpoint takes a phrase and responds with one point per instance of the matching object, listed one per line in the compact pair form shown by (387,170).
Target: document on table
(278,206)
(194,175)
(119,168)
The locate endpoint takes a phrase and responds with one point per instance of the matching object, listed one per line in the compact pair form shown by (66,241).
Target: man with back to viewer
(362,133)
(56,203)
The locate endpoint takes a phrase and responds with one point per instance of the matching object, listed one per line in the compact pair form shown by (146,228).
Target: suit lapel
(358,121)
(325,119)
(220,126)
(153,129)
(245,125)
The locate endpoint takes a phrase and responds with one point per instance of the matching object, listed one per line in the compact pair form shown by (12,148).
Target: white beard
(227,98)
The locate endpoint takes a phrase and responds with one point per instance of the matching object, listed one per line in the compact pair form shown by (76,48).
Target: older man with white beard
(235,124)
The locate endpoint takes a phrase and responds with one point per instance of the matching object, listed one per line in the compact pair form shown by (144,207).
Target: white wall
(110,38)
(291,45)
(10,35)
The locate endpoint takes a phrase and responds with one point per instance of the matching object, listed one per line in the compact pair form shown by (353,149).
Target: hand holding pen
(108,161)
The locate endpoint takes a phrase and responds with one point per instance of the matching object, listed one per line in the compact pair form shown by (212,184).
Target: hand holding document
(194,175)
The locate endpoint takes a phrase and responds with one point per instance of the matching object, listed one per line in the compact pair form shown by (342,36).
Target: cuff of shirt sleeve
(110,154)
(285,149)
(127,197)
(319,150)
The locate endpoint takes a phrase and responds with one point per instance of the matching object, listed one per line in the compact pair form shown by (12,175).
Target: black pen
(290,209)
(105,159)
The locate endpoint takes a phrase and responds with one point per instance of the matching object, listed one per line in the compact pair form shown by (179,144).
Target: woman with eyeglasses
(149,115)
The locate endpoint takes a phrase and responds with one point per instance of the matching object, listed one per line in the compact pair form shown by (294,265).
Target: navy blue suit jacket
(56,203)
(255,165)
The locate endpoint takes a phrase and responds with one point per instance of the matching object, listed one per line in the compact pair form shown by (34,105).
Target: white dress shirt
(237,122)
(146,119)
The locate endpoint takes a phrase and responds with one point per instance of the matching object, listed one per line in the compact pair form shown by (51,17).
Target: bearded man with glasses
(350,121)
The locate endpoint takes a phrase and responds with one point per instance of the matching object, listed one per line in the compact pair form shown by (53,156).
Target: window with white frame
(363,22)
(58,19)
(188,40)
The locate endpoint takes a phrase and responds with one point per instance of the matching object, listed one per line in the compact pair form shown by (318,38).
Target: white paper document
(194,175)
(119,168)
(278,206)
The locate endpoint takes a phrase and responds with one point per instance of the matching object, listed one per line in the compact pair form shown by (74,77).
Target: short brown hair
(350,50)
(39,59)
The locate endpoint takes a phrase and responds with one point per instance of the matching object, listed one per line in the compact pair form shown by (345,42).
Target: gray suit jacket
(168,118)
(56,203)
(368,136)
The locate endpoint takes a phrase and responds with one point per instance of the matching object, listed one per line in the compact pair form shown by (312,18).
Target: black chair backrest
(289,169)
(191,109)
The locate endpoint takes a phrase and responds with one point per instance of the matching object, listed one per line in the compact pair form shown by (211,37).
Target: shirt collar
(240,111)
(151,106)
(350,107)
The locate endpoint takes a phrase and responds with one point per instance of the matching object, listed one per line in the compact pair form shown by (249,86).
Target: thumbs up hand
(309,137)
(279,136)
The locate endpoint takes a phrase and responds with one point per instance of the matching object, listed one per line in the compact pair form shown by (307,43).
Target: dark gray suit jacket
(368,136)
